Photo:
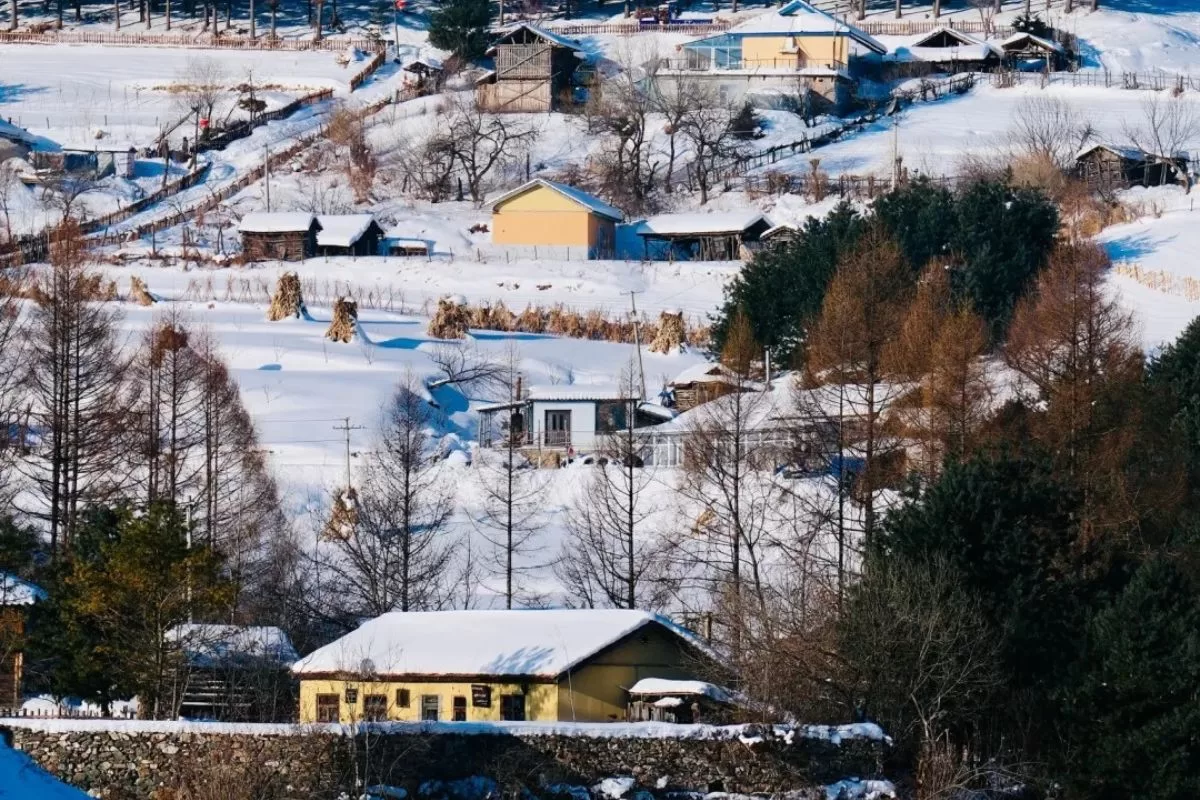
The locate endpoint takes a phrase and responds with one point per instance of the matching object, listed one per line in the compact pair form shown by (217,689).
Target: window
(512,707)
(403,698)
(328,708)
(431,707)
(375,707)
(558,428)
(351,696)
(460,709)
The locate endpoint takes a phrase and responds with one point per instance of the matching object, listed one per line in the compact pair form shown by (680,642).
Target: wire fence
(1153,81)
(206,42)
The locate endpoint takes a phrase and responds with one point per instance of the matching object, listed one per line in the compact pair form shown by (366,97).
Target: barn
(1104,167)
(554,215)
(348,235)
(534,71)
(700,236)
(279,236)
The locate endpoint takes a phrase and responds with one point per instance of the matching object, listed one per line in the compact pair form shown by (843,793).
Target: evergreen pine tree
(460,26)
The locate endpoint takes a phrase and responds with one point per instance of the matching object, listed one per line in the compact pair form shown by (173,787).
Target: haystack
(672,333)
(138,292)
(287,300)
(343,517)
(345,319)
(451,321)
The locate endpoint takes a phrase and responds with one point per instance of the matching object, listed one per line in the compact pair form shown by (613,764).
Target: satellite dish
(366,667)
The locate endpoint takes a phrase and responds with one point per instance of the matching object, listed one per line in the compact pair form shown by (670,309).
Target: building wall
(602,236)
(540,699)
(767,51)
(542,216)
(733,88)
(583,420)
(598,691)
(512,96)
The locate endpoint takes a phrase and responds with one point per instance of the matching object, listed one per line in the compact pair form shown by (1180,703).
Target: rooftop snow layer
(10,131)
(709,372)
(220,645)
(672,687)
(17,592)
(576,391)
(798,17)
(592,203)
(342,230)
(275,222)
(543,33)
(533,643)
(1045,43)
(700,223)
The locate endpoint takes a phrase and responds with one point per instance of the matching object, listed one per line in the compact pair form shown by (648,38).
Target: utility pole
(267,172)
(346,427)
(637,340)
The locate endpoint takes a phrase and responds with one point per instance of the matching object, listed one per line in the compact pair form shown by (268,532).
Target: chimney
(518,394)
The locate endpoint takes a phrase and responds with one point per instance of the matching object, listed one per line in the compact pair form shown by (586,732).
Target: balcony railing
(782,64)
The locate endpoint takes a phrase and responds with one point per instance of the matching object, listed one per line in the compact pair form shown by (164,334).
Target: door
(558,428)
(430,707)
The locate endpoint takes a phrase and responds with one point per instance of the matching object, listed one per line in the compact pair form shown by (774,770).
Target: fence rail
(1157,81)
(62,713)
(192,42)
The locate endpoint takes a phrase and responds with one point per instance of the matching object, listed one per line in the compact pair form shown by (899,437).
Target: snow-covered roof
(783,229)
(938,55)
(342,230)
(1045,44)
(590,202)
(17,592)
(207,645)
(275,222)
(655,410)
(576,391)
(16,134)
(542,33)
(959,36)
(425,61)
(653,686)
(532,643)
(728,222)
(707,372)
(798,18)
(1130,153)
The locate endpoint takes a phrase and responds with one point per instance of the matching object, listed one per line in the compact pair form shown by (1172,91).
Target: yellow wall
(542,216)
(597,691)
(540,702)
(768,51)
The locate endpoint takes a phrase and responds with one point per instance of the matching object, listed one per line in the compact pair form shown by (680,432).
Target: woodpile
(450,321)
(288,300)
(671,336)
(344,322)
(138,292)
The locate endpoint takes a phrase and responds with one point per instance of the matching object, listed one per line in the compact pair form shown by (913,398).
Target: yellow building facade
(542,213)
(594,688)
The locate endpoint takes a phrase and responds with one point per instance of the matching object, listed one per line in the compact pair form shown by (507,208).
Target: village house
(1027,52)
(701,237)
(348,235)
(483,666)
(794,50)
(1107,167)
(546,214)
(16,598)
(279,236)
(233,673)
(534,71)
(565,417)
(947,50)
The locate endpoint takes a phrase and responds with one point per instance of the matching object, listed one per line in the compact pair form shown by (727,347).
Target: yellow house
(483,666)
(543,213)
(793,48)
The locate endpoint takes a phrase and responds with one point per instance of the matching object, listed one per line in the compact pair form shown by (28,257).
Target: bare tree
(348,131)
(624,163)
(1168,129)
(706,128)
(64,192)
(9,186)
(424,163)
(397,556)
(75,389)
(203,82)
(1049,127)
(672,101)
(608,559)
(481,142)
(987,15)
(466,366)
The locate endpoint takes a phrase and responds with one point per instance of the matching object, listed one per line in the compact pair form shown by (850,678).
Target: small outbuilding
(951,50)
(1025,51)
(534,70)
(702,384)
(234,673)
(16,598)
(701,237)
(1106,167)
(685,702)
(279,236)
(549,214)
(348,235)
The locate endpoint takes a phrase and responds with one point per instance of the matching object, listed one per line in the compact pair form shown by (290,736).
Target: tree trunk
(253,30)
(899,11)
(116,14)
(168,13)
(12,23)
(937,8)
(60,14)
(274,8)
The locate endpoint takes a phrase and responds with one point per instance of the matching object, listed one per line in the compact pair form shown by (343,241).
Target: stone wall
(126,760)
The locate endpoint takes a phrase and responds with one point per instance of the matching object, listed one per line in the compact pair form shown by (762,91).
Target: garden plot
(69,94)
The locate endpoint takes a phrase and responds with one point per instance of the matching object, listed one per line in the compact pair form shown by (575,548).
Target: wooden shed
(702,384)
(701,236)
(1028,52)
(279,236)
(1105,167)
(348,235)
(533,71)
(548,214)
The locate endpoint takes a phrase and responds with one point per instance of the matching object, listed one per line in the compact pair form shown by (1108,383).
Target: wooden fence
(61,713)
(204,42)
(1156,81)
(900,27)
(375,63)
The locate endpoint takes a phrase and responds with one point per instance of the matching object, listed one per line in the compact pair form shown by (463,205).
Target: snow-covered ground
(21,779)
